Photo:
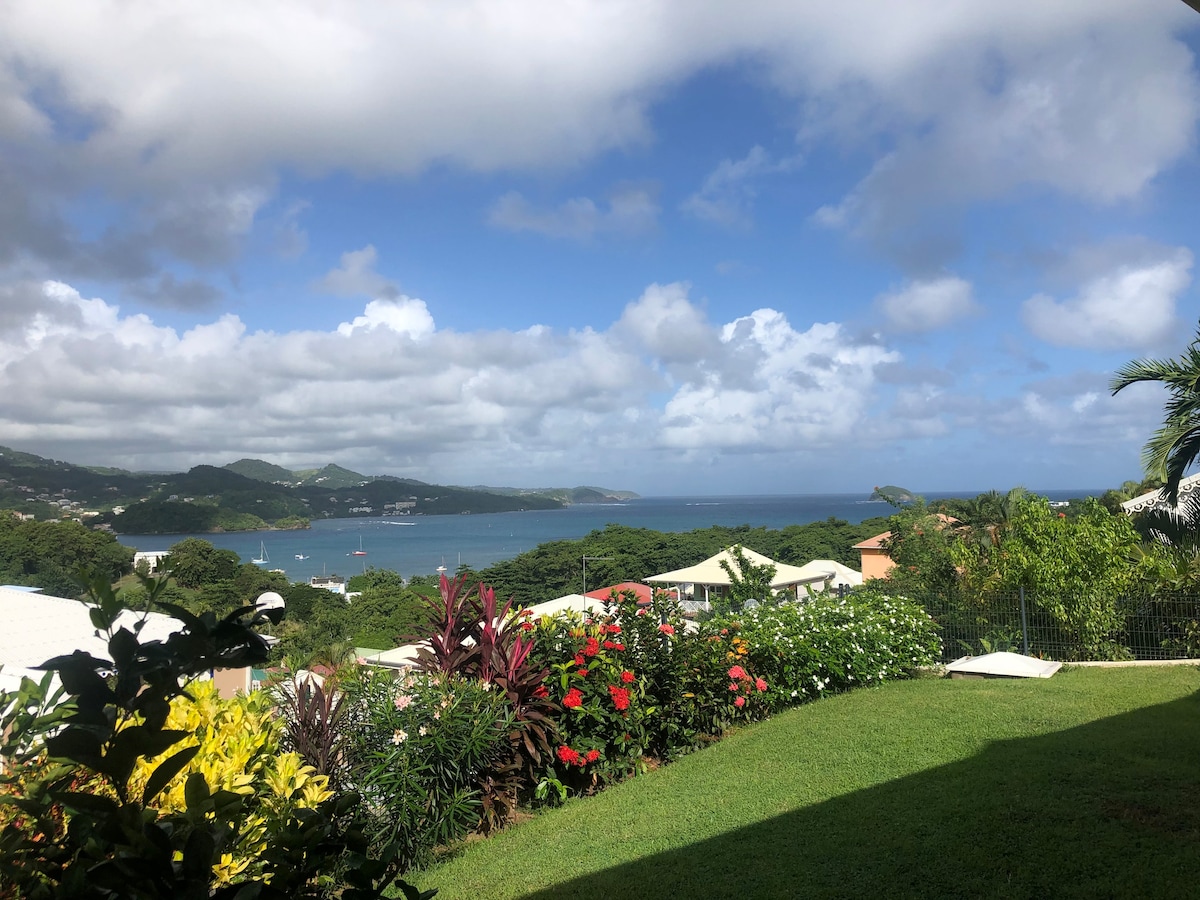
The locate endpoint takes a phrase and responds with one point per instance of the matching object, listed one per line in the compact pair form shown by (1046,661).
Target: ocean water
(415,545)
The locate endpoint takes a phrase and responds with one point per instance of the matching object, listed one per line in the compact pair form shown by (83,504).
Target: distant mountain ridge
(248,494)
(581,494)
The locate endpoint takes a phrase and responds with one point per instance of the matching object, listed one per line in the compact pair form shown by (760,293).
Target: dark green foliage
(556,568)
(109,714)
(748,581)
(195,563)
(419,747)
(166,517)
(1173,448)
(48,554)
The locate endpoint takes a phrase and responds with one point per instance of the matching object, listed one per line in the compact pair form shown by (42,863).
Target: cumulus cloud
(191,111)
(727,195)
(629,211)
(809,388)
(404,316)
(1093,113)
(356,276)
(392,387)
(928,305)
(1129,307)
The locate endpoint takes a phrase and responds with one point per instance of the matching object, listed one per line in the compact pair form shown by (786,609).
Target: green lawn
(1085,785)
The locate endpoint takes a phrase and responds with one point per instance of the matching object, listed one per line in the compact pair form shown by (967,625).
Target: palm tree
(1174,447)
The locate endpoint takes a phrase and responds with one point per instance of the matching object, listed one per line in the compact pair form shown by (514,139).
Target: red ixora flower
(592,648)
(618,647)
(761,684)
(620,696)
(739,702)
(582,673)
(573,699)
(527,626)
(737,672)
(666,628)
(627,677)
(579,660)
(541,691)
(733,686)
(609,645)
(568,755)
(614,629)
(592,755)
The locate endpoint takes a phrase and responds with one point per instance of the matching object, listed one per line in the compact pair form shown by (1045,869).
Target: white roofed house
(708,579)
(38,627)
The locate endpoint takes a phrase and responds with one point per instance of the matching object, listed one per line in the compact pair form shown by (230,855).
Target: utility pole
(585,562)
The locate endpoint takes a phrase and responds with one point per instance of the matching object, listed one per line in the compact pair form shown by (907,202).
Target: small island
(896,496)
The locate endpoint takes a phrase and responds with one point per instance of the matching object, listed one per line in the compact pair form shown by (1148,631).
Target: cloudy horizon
(671,247)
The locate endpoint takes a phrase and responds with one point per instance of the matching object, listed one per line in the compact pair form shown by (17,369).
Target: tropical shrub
(827,644)
(417,749)
(85,827)
(471,635)
(239,752)
(602,730)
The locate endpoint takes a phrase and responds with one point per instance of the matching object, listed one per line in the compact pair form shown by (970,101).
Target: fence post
(1024,625)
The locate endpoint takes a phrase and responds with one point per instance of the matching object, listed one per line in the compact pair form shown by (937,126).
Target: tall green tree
(1174,447)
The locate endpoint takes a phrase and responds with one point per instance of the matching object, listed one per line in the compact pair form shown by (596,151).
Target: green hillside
(331,477)
(260,470)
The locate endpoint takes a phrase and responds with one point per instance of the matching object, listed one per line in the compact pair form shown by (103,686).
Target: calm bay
(420,544)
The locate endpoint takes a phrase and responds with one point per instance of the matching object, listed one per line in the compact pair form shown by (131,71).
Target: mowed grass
(1083,785)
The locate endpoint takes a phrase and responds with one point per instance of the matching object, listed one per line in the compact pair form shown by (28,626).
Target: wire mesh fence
(1156,627)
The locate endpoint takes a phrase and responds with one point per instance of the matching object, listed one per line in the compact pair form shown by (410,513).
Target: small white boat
(301,556)
(263,559)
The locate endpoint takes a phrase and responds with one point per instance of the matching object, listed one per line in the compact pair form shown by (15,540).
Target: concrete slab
(1002,665)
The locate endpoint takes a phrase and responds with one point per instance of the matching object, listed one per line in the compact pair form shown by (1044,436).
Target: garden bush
(90,812)
(827,644)
(417,749)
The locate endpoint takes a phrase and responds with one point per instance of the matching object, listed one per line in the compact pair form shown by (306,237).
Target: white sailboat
(263,559)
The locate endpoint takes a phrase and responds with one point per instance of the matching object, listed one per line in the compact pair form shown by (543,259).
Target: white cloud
(928,305)
(191,111)
(1092,111)
(389,387)
(807,389)
(630,211)
(728,192)
(403,316)
(1129,307)
(356,276)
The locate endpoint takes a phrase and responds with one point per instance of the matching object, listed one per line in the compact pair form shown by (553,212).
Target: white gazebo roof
(711,573)
(1156,500)
(38,627)
(833,572)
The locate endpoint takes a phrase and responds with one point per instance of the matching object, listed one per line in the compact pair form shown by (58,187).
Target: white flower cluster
(831,643)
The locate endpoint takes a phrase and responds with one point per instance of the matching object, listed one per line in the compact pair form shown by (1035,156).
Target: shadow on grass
(1107,809)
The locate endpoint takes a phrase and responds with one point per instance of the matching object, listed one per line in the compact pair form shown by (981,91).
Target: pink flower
(737,672)
(666,628)
(761,684)
(641,612)
(739,702)
(403,701)
(733,686)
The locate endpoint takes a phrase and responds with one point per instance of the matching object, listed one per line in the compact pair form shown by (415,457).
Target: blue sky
(675,247)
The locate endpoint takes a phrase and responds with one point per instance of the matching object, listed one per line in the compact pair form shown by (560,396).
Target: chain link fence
(1157,627)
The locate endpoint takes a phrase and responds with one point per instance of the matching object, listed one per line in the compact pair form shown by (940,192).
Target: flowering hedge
(830,644)
(418,746)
